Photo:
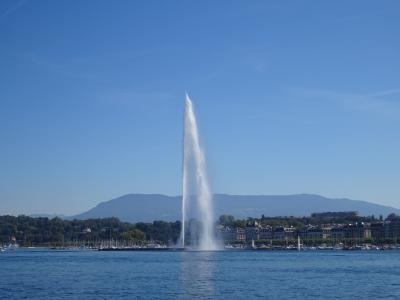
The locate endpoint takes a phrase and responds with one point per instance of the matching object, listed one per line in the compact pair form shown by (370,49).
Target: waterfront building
(231,235)
(302,233)
(240,234)
(392,230)
(266,233)
(252,232)
(337,233)
(326,231)
(314,233)
(357,231)
(310,232)
(378,233)
(279,233)
(284,233)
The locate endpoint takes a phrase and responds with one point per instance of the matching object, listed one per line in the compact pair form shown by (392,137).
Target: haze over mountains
(150,207)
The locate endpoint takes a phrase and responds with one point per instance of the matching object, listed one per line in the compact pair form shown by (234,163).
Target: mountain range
(150,207)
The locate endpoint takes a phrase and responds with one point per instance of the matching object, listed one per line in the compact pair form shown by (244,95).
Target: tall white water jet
(194,167)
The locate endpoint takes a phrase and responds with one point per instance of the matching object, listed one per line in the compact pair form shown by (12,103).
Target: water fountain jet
(195,177)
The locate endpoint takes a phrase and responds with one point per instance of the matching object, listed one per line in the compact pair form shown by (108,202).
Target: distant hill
(137,207)
(150,207)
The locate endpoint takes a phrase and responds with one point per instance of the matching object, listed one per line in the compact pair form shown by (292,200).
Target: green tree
(134,234)
(227,220)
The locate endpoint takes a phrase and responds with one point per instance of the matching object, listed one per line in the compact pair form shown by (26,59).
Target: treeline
(315,219)
(43,231)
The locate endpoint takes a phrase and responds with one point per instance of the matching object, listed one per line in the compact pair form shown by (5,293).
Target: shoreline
(167,249)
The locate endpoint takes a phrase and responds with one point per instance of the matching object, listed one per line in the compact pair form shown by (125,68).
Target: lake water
(39,274)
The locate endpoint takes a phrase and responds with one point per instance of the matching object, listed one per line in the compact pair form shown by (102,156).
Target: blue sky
(291,97)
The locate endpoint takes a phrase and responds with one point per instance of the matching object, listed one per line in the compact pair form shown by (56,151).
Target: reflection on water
(273,275)
(197,274)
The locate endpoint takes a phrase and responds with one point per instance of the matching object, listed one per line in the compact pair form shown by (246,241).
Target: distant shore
(365,247)
(322,231)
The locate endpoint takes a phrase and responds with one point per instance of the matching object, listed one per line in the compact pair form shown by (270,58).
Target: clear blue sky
(291,97)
